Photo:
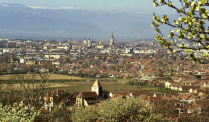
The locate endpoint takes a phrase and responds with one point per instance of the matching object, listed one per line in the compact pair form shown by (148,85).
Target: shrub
(118,109)
(17,113)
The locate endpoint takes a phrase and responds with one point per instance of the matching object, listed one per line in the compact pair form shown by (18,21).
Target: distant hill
(22,20)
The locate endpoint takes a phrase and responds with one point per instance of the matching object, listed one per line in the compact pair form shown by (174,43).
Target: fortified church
(90,98)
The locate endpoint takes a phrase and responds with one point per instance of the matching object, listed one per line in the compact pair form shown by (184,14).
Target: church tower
(97,87)
(70,41)
(111,40)
(85,41)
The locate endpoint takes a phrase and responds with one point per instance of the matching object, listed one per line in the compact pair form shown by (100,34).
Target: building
(86,98)
(85,42)
(54,56)
(97,88)
(90,98)
(89,42)
(30,62)
(22,60)
(56,98)
(70,41)
(111,40)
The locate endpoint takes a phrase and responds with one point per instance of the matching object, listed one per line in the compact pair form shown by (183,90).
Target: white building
(22,60)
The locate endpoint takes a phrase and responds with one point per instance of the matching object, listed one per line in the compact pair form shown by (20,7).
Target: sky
(132,6)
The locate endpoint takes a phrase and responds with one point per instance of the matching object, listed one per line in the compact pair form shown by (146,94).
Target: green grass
(148,88)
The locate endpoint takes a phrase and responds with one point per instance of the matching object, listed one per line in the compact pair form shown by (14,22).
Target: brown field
(81,87)
(72,86)
(118,85)
(48,76)
(86,86)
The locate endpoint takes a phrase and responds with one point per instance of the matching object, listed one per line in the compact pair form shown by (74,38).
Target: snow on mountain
(18,18)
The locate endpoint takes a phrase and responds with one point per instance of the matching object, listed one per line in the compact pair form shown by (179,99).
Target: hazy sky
(133,6)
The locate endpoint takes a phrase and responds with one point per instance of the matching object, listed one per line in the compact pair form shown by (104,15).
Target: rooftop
(97,84)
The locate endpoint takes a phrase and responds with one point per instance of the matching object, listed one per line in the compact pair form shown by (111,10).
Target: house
(57,62)
(194,108)
(187,84)
(119,94)
(201,72)
(161,85)
(184,88)
(188,71)
(150,81)
(30,62)
(144,97)
(174,86)
(54,56)
(153,99)
(194,89)
(157,83)
(187,99)
(86,98)
(203,84)
(136,94)
(55,98)
(167,84)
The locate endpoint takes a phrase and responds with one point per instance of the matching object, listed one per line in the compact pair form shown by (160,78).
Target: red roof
(87,95)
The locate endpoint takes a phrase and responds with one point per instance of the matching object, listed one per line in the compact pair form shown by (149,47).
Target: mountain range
(18,19)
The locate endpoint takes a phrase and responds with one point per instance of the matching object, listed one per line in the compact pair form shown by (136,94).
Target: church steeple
(97,84)
(97,87)
(111,40)
(70,40)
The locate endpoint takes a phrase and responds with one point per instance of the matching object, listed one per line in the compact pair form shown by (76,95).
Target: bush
(169,78)
(118,109)
(17,114)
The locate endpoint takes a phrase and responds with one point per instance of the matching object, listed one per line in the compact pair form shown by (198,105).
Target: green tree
(6,58)
(118,110)
(67,60)
(12,66)
(79,72)
(14,58)
(41,54)
(190,27)
(112,67)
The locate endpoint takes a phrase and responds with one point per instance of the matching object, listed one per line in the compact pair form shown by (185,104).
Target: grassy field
(148,88)
(78,84)
(86,87)
(47,76)
(109,86)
